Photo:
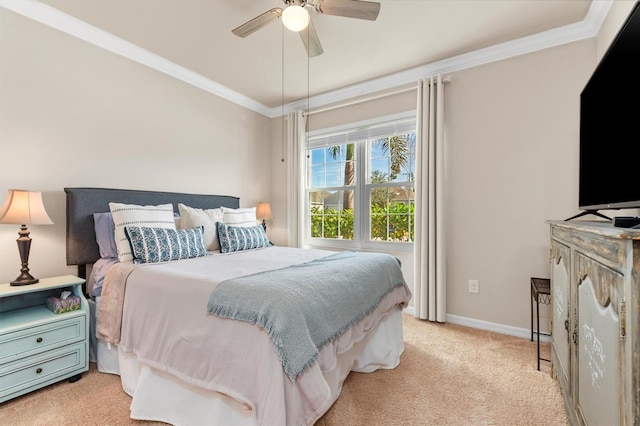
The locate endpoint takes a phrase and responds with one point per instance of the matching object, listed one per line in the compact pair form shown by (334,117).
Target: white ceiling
(196,34)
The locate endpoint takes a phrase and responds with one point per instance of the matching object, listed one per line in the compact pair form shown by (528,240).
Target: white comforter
(166,325)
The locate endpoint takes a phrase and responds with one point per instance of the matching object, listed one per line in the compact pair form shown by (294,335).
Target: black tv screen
(610,125)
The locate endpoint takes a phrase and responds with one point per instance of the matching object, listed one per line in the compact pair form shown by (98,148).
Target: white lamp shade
(24,208)
(295,17)
(263,211)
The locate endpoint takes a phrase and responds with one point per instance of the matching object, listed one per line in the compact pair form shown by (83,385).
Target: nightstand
(37,346)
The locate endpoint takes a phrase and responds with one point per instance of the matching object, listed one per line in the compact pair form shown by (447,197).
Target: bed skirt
(160,396)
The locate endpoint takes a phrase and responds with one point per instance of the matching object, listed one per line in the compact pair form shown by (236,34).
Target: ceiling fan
(296,18)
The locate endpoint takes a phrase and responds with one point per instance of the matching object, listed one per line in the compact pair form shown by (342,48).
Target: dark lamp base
(24,279)
(24,245)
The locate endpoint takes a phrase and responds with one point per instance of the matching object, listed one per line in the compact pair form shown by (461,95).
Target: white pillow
(160,216)
(239,217)
(207,218)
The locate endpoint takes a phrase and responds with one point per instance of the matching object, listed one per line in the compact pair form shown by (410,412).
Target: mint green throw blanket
(303,307)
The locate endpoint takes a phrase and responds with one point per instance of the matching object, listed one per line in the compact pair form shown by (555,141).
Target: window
(360,184)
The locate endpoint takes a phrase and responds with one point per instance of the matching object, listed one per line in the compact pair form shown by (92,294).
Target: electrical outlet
(474,286)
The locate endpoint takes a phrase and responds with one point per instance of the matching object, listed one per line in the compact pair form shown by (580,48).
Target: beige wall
(72,114)
(512,131)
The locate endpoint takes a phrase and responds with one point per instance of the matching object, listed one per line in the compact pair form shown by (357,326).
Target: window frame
(362,197)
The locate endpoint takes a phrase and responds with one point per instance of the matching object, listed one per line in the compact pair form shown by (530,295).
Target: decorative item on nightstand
(24,208)
(67,302)
(264,212)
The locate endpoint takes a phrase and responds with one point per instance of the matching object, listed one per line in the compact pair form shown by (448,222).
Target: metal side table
(540,293)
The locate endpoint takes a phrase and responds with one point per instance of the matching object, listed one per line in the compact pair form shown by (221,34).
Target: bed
(183,334)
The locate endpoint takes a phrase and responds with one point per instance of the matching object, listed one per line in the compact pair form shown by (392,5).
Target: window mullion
(361,192)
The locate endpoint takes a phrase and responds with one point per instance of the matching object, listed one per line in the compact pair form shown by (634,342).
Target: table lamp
(24,208)
(264,212)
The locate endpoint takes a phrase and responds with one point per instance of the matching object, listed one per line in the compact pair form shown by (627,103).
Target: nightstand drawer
(39,370)
(33,340)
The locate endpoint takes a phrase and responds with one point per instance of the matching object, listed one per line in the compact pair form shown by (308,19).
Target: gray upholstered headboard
(82,203)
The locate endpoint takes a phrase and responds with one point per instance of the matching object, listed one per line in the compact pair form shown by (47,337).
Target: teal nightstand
(37,346)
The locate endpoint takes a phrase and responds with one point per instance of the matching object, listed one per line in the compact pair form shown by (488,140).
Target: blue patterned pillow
(154,245)
(236,238)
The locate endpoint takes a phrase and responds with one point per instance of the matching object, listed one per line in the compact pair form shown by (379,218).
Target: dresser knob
(39,339)
(39,370)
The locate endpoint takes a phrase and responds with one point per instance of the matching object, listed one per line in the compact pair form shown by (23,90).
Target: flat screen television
(610,125)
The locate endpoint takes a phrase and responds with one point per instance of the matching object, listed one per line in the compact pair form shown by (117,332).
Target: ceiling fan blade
(349,8)
(311,41)
(258,22)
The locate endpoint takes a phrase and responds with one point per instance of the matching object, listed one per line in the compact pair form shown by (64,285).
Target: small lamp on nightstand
(264,212)
(24,208)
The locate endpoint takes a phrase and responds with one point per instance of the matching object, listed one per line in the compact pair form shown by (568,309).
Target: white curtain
(295,143)
(430,291)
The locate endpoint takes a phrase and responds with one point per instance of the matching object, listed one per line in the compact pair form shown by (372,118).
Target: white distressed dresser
(595,289)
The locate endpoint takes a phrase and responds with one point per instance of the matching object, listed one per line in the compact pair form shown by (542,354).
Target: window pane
(408,171)
(393,159)
(329,216)
(332,166)
(333,174)
(378,164)
(318,178)
(392,214)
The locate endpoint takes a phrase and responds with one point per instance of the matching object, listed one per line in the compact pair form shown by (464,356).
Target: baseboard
(524,333)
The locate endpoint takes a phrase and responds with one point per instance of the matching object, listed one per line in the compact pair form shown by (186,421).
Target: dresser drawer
(33,340)
(42,369)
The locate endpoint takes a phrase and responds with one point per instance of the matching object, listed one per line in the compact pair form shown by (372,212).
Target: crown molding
(54,18)
(585,29)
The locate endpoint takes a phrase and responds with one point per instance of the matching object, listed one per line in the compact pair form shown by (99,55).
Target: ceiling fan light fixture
(295,18)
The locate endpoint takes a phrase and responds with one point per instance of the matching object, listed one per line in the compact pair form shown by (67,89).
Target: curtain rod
(370,98)
(445,79)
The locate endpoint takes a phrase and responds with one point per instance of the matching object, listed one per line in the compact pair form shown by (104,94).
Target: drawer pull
(39,370)
(39,340)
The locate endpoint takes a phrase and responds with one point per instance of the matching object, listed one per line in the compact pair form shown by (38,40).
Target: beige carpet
(448,375)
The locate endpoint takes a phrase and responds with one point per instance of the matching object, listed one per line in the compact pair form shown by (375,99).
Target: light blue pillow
(236,238)
(105,235)
(155,245)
